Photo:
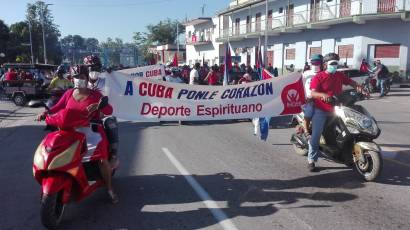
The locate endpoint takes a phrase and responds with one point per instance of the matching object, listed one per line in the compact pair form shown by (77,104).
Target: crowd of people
(214,75)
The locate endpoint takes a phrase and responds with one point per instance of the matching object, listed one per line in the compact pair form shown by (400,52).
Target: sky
(112,18)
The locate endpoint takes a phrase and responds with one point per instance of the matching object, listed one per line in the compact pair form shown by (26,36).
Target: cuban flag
(228,64)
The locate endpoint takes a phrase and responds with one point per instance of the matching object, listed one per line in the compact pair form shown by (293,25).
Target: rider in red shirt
(86,100)
(324,85)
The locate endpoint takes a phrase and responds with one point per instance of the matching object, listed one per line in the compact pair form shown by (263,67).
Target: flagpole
(177,41)
(226,72)
(265,48)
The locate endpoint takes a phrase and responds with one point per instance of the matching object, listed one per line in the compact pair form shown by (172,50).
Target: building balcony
(329,13)
(198,43)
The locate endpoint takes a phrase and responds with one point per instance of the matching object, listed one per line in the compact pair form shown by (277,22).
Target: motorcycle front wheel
(52,210)
(300,151)
(371,167)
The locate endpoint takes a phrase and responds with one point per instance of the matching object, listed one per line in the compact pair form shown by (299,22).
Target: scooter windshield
(68,119)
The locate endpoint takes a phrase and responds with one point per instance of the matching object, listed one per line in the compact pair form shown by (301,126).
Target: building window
(387,51)
(281,10)
(290,54)
(345,51)
(314,50)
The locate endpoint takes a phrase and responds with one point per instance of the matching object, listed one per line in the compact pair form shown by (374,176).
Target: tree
(91,44)
(4,38)
(112,51)
(19,35)
(165,32)
(38,15)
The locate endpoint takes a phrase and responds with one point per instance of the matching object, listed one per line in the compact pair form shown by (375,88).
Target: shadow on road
(163,201)
(154,201)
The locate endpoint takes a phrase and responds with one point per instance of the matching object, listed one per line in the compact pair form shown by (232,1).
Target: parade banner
(145,99)
(151,71)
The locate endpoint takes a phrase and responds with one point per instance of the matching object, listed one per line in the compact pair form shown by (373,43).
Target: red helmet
(94,62)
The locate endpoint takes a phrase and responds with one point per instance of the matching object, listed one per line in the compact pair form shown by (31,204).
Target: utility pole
(203,9)
(31,42)
(43,10)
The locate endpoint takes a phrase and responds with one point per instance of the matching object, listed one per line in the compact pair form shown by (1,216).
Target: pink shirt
(67,101)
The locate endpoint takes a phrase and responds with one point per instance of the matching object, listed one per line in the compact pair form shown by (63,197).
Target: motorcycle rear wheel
(371,168)
(52,210)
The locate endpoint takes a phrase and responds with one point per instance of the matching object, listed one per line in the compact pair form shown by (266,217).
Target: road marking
(216,211)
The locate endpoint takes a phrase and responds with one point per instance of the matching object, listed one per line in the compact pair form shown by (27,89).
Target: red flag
(175,61)
(266,74)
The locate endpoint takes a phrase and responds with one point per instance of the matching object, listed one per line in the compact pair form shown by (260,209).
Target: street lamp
(42,25)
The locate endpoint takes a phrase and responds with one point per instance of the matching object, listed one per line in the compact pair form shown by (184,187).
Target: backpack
(384,72)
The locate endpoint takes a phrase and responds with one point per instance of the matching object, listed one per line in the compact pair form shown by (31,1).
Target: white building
(296,29)
(201,35)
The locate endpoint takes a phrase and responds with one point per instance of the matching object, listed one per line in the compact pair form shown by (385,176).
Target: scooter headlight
(357,122)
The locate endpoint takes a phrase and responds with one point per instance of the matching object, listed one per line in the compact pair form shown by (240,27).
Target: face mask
(80,83)
(94,75)
(316,68)
(331,69)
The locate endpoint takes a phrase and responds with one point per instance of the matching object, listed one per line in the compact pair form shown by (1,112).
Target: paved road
(217,176)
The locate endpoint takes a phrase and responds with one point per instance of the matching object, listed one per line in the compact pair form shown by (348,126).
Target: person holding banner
(97,82)
(212,76)
(324,85)
(194,75)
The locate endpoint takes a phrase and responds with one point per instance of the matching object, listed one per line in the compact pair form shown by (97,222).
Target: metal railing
(323,11)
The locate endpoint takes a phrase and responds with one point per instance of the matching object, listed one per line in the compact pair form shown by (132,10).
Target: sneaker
(311,167)
(113,197)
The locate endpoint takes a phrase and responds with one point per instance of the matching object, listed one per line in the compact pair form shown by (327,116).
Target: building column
(300,52)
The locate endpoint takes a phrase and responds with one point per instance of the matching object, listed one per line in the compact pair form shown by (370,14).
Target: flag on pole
(228,64)
(263,121)
(175,61)
(259,62)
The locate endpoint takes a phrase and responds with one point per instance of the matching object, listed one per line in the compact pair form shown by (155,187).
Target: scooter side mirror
(103,102)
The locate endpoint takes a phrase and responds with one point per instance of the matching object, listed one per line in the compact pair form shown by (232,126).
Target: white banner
(145,99)
(151,71)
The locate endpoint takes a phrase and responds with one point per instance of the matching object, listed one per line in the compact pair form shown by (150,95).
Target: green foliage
(37,15)
(165,32)
(4,37)
(111,51)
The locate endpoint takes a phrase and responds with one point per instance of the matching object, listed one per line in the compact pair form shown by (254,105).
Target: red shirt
(11,76)
(68,102)
(213,78)
(323,82)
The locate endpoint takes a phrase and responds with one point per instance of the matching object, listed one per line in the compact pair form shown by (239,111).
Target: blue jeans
(318,123)
(381,84)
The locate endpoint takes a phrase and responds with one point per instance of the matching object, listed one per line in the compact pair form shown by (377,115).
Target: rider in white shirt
(194,75)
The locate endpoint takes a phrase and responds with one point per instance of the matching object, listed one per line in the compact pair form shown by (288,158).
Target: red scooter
(58,163)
